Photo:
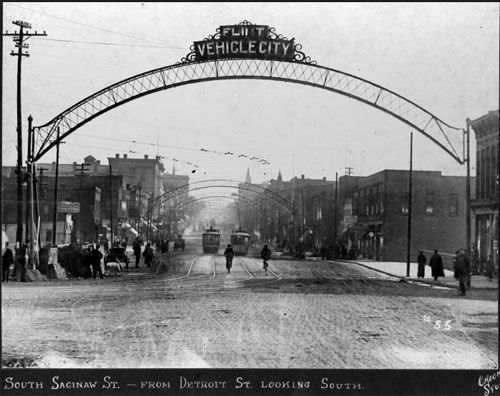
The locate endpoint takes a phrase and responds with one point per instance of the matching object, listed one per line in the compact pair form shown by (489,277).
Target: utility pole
(335,218)
(111,205)
(303,218)
(19,39)
(56,186)
(410,187)
(348,170)
(467,193)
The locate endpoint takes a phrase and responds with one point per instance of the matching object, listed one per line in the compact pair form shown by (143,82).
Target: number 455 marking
(446,327)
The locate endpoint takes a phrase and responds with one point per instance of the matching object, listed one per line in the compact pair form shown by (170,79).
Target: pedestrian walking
(137,253)
(96,257)
(22,260)
(490,267)
(164,246)
(183,245)
(87,262)
(148,255)
(436,263)
(229,254)
(265,254)
(7,260)
(323,252)
(462,270)
(421,260)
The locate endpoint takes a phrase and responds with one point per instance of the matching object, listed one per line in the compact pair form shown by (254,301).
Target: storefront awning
(130,228)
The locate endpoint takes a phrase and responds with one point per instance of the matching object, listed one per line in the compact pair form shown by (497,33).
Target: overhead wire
(78,23)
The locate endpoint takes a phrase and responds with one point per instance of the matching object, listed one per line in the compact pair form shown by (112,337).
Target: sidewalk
(399,269)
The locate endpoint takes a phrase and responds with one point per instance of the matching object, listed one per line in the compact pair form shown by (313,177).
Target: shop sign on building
(68,207)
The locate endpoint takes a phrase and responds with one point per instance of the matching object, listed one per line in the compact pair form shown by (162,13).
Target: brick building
(485,206)
(438,214)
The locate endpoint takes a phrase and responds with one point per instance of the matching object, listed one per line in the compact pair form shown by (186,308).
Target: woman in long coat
(436,263)
(421,260)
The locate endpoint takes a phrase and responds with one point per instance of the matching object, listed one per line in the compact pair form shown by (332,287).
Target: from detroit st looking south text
(108,382)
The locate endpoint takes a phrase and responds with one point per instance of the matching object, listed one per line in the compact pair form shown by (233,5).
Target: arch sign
(249,51)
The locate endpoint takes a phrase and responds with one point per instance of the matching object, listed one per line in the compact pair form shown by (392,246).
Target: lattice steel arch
(248,187)
(219,198)
(301,72)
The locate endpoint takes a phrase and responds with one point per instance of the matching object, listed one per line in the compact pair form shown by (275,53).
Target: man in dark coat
(137,252)
(265,254)
(229,254)
(436,263)
(421,260)
(323,252)
(7,260)
(148,255)
(462,270)
(96,257)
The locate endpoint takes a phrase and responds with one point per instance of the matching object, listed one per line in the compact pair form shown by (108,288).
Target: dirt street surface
(301,315)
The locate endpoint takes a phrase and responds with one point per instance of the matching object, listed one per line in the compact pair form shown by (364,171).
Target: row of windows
(430,204)
(486,168)
(372,200)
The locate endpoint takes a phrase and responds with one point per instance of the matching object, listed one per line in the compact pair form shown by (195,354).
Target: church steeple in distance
(248,178)
(280,179)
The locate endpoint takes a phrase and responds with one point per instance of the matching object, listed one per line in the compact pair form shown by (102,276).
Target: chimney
(145,156)
(324,178)
(117,155)
(302,176)
(124,155)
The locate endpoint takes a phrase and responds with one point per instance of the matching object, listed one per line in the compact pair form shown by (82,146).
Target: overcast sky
(444,57)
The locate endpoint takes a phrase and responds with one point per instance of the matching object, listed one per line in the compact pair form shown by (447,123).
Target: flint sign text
(244,41)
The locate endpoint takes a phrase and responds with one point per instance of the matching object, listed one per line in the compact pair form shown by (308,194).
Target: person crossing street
(265,254)
(229,254)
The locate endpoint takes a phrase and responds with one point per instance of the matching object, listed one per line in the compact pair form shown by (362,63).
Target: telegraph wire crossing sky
(442,57)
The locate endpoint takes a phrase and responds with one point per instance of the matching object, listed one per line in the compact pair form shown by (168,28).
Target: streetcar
(211,241)
(240,241)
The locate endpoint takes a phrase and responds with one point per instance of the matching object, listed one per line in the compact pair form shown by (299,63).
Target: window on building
(429,204)
(48,236)
(382,201)
(404,204)
(453,204)
(45,209)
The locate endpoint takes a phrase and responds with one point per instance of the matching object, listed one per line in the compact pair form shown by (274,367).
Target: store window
(453,204)
(404,204)
(429,204)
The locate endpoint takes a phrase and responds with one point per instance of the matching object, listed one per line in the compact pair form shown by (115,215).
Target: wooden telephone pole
(19,40)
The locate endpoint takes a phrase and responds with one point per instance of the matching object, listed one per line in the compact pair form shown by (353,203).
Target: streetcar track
(246,269)
(195,259)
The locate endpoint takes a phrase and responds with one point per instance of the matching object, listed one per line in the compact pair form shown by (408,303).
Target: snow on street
(301,315)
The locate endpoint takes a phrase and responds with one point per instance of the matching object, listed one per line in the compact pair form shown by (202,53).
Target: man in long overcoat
(436,263)
(7,260)
(421,260)
(462,270)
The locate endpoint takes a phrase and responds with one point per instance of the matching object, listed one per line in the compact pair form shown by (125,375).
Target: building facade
(438,214)
(485,205)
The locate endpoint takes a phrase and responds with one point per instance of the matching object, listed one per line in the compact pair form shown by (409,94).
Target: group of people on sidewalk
(435,262)
(265,255)
(461,268)
(149,253)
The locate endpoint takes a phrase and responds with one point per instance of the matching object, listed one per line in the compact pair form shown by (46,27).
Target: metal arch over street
(297,69)
(216,198)
(223,183)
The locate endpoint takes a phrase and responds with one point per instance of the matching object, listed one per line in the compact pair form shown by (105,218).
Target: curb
(430,283)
